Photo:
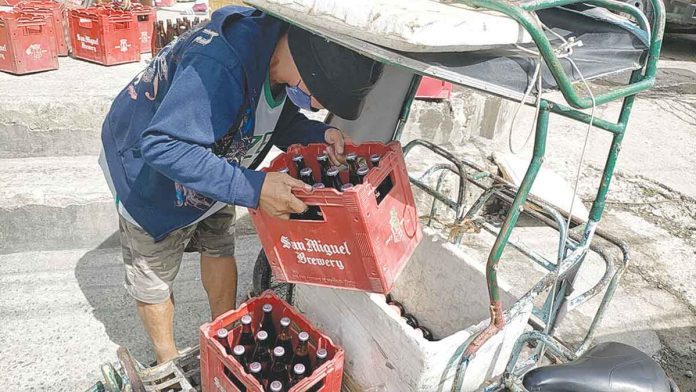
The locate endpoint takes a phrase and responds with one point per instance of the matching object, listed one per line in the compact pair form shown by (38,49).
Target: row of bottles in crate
(267,353)
(329,177)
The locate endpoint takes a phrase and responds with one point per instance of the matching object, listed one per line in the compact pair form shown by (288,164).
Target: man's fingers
(296,205)
(332,156)
(295,183)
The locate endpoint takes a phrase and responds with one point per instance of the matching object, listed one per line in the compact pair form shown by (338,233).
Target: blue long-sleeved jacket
(175,135)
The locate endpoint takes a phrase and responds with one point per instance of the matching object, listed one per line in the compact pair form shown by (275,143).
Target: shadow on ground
(99,274)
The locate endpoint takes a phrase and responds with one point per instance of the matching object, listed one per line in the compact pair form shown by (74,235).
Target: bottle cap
(303,336)
(262,335)
(332,171)
(307,171)
(255,367)
(278,351)
(362,170)
(222,333)
(323,157)
(246,319)
(238,350)
(276,386)
(321,353)
(318,185)
(285,322)
(284,170)
(267,308)
(298,369)
(351,156)
(297,158)
(347,186)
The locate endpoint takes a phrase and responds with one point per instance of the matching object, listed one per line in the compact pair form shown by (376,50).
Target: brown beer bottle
(298,160)
(284,339)
(298,373)
(320,359)
(374,159)
(276,386)
(221,336)
(306,176)
(410,320)
(267,323)
(262,353)
(239,353)
(362,172)
(279,369)
(256,371)
(352,161)
(334,179)
(427,335)
(246,338)
(302,352)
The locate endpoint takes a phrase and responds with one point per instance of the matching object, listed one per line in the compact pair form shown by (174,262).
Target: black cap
(337,77)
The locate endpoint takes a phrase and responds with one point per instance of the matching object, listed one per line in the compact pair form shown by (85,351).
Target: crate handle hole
(383,189)
(313,213)
(232,378)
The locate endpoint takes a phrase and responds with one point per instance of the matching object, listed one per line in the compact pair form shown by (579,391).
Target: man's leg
(214,239)
(219,277)
(158,320)
(150,271)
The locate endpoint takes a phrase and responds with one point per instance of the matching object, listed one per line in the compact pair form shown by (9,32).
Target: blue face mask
(299,97)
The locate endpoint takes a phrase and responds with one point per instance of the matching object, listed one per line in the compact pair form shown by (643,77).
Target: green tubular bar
(496,307)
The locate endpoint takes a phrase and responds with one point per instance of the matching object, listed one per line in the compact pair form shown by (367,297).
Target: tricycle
(518,51)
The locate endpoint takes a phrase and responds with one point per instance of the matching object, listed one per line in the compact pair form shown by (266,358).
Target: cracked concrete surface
(63,307)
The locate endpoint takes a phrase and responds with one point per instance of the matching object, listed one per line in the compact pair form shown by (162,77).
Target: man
(182,139)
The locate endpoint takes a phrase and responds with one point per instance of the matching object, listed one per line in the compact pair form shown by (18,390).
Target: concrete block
(385,354)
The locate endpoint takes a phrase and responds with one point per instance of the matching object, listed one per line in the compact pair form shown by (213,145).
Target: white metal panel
(412,26)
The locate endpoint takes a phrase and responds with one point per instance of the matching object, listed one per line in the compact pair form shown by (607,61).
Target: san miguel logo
(35,51)
(88,43)
(315,252)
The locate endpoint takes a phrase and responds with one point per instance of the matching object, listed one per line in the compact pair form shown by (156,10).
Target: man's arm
(295,128)
(204,98)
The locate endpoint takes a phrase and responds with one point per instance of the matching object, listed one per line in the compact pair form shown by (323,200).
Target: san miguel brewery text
(315,246)
(88,43)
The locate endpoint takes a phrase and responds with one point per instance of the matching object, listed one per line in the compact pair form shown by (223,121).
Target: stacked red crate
(104,35)
(54,12)
(220,371)
(365,235)
(27,44)
(147,17)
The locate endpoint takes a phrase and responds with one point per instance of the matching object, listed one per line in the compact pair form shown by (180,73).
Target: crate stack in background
(27,43)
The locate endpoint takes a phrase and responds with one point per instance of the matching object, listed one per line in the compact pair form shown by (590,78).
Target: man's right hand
(276,197)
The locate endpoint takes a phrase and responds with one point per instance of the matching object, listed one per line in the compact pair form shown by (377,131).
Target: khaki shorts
(152,266)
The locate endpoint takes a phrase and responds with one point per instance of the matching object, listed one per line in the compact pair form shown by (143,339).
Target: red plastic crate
(360,244)
(26,44)
(55,14)
(147,17)
(104,35)
(430,88)
(9,2)
(215,362)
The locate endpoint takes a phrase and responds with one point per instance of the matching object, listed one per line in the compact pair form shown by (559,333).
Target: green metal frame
(640,80)
(571,253)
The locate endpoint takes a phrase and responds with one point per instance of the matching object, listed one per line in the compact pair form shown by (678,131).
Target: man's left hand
(336,141)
